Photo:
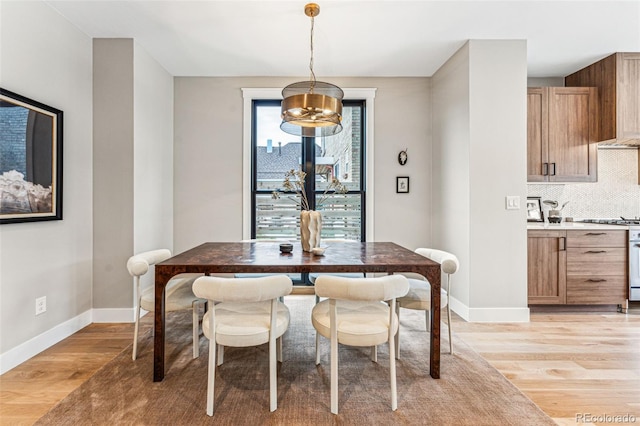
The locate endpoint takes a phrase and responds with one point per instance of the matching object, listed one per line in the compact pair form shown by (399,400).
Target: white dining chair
(419,295)
(358,312)
(244,312)
(178,293)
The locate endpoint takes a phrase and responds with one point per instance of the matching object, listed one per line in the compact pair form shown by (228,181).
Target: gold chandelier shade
(312,108)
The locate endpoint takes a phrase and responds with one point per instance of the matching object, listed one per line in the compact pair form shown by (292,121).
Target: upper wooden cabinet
(617,78)
(561,131)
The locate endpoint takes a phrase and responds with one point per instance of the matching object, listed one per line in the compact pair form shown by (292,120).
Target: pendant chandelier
(312,108)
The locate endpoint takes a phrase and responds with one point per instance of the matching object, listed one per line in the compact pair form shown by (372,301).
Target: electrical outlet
(512,202)
(41,305)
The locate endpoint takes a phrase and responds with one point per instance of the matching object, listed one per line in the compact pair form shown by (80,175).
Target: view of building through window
(322,159)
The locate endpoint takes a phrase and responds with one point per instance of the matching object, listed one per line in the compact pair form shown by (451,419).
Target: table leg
(434,278)
(159,328)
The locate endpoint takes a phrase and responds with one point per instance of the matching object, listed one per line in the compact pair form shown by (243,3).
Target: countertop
(576,226)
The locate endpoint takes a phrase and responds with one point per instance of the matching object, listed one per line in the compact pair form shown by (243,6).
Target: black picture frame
(31,137)
(534,209)
(402,184)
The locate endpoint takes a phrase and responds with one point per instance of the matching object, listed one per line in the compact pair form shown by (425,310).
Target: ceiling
(355,38)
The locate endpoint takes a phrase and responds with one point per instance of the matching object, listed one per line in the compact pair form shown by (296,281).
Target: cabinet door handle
(554,169)
(596,280)
(563,243)
(545,169)
(596,233)
(596,251)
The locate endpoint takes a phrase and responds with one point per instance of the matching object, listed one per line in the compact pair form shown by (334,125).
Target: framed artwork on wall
(30,160)
(534,210)
(402,184)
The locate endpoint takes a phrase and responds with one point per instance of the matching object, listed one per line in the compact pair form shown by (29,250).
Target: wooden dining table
(265,257)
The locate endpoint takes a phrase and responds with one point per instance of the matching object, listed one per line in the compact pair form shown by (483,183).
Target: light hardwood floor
(571,364)
(575,366)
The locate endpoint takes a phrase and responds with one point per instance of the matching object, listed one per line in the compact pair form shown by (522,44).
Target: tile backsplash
(616,193)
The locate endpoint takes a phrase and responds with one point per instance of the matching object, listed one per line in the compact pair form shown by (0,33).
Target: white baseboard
(489,314)
(114,315)
(32,347)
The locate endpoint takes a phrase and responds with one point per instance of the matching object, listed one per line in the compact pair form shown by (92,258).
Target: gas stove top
(621,221)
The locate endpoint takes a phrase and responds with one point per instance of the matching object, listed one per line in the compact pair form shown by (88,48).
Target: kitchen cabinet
(561,130)
(617,78)
(577,267)
(596,267)
(546,267)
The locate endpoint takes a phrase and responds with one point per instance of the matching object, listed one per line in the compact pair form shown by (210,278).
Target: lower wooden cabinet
(577,267)
(546,267)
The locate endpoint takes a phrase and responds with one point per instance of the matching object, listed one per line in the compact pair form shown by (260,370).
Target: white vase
(310,227)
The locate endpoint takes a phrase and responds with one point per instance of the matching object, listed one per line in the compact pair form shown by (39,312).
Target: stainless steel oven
(634,263)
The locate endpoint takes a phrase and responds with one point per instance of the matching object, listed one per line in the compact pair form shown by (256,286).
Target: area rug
(469,392)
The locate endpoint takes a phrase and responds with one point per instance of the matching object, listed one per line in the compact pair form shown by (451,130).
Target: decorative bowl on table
(318,251)
(286,248)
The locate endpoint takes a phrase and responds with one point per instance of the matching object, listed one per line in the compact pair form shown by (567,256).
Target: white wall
(480,144)
(208,158)
(44,58)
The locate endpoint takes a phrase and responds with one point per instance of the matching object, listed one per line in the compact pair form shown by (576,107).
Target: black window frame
(308,162)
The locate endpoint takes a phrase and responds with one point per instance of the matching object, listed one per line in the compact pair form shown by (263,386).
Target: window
(274,152)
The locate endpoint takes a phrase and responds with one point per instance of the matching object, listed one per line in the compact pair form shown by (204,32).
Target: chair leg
(273,384)
(279,349)
(317,348)
(220,355)
(211,374)
(427,319)
(449,327)
(393,309)
(374,353)
(134,355)
(273,363)
(334,371)
(334,356)
(196,333)
(397,336)
(392,375)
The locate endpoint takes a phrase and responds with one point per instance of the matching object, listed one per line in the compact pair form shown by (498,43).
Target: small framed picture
(534,209)
(402,184)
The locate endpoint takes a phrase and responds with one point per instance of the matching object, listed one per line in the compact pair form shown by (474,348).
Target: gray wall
(479,158)
(152,157)
(124,158)
(133,169)
(208,157)
(46,59)
(112,170)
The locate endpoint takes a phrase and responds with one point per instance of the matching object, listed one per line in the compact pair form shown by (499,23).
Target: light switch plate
(512,202)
